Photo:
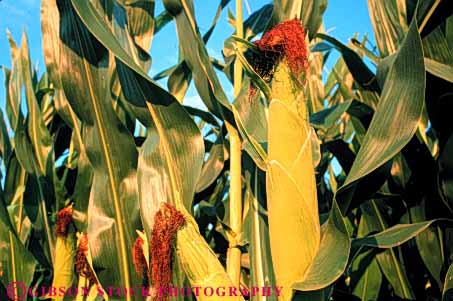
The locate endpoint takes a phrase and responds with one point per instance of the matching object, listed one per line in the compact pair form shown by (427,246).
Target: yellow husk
(291,186)
(201,265)
(65,250)
(83,282)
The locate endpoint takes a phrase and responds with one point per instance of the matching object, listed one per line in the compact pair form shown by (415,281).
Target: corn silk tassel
(282,61)
(140,250)
(65,250)
(72,254)
(176,230)
(83,266)
(88,282)
(167,222)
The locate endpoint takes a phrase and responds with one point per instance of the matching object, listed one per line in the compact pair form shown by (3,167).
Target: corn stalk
(234,253)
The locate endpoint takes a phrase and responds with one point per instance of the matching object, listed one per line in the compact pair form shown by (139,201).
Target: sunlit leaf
(332,257)
(194,52)
(396,118)
(447,292)
(389,261)
(110,149)
(389,22)
(309,12)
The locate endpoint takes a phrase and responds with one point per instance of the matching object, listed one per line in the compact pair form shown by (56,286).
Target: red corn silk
(167,222)
(284,40)
(82,265)
(64,220)
(138,257)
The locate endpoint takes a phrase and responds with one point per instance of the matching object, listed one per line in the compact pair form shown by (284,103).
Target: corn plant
(298,187)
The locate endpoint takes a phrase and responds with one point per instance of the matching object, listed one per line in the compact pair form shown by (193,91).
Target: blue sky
(343,19)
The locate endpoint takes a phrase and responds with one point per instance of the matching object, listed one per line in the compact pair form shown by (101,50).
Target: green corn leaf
(332,257)
(429,244)
(366,276)
(170,159)
(440,70)
(180,77)
(194,52)
(16,262)
(309,12)
(325,119)
(438,55)
(251,145)
(39,136)
(213,166)
(5,144)
(257,80)
(393,236)
(31,140)
(252,112)
(246,43)
(369,283)
(13,86)
(179,81)
(396,118)
(110,149)
(436,46)
(161,20)
(341,70)
(140,20)
(449,31)
(16,209)
(258,21)
(389,20)
(315,84)
(50,22)
(250,115)
(447,292)
(256,225)
(361,73)
(222,5)
(389,261)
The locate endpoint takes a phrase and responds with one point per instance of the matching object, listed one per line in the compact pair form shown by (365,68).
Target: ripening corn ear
(140,256)
(201,265)
(199,262)
(167,222)
(83,266)
(65,251)
(175,226)
(291,187)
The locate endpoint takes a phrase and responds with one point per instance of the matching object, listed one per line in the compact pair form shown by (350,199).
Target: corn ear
(94,290)
(65,250)
(201,265)
(93,293)
(291,186)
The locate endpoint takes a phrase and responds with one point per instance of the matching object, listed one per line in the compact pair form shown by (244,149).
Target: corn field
(302,185)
